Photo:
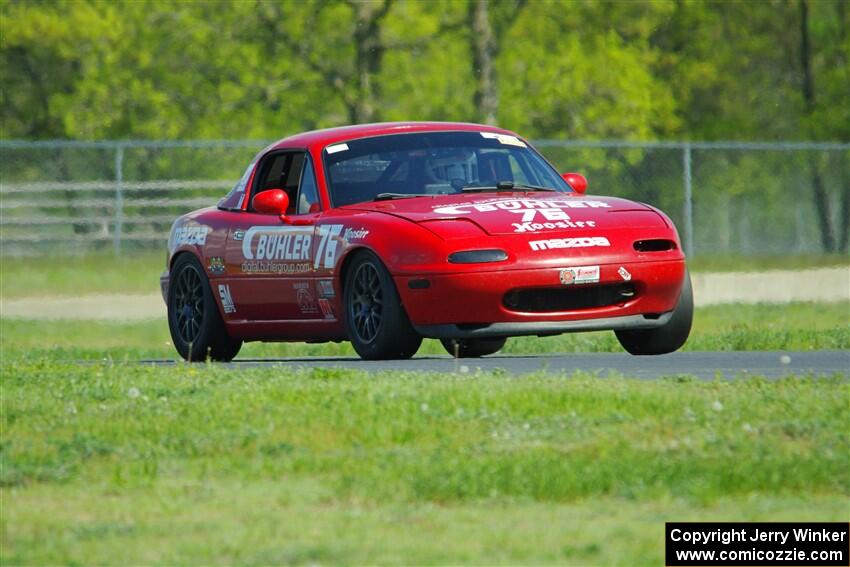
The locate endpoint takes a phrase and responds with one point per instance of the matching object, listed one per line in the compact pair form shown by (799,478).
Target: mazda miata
(382,234)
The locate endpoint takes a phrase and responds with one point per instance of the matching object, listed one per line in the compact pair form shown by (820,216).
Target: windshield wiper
(504,186)
(391,196)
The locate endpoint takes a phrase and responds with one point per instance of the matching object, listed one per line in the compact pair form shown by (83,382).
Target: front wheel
(377,325)
(670,336)
(197,330)
(473,348)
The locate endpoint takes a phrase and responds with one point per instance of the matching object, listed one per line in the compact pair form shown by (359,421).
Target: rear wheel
(197,330)
(473,348)
(669,337)
(377,325)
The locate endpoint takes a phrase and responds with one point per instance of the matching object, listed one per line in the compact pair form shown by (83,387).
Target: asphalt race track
(700,364)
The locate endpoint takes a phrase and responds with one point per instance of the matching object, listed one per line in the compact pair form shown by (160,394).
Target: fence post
(689,202)
(119,197)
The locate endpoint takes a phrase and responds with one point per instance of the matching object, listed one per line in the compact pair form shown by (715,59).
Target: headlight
(477,256)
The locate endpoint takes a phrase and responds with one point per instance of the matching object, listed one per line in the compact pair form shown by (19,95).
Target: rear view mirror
(577,181)
(271,202)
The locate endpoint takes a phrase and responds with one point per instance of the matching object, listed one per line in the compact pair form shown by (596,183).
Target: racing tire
(670,336)
(197,329)
(375,319)
(473,348)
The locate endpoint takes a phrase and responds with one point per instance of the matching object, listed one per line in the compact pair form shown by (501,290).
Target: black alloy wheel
(189,304)
(197,329)
(367,304)
(377,324)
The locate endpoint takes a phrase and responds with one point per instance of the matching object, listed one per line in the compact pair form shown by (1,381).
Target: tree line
(566,69)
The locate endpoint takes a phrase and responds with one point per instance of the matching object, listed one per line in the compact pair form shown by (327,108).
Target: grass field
(113,463)
(798,326)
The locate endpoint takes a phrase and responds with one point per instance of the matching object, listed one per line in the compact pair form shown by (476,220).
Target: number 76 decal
(328,243)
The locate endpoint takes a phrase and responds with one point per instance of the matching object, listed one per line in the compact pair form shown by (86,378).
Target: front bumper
(472,304)
(542,328)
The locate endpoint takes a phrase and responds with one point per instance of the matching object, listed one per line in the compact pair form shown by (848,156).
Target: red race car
(382,234)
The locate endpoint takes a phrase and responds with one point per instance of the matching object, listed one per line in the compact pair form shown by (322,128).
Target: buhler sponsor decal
(276,243)
(289,250)
(519,206)
(276,250)
(535,214)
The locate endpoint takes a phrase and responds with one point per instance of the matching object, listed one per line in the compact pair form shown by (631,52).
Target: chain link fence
(726,198)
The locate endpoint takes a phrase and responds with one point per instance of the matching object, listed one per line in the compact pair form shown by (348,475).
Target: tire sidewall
(473,348)
(395,336)
(669,337)
(199,349)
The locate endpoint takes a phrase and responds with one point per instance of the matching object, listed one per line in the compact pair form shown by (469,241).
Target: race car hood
(516,213)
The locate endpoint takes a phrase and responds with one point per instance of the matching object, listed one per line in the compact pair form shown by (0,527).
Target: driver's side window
(289,171)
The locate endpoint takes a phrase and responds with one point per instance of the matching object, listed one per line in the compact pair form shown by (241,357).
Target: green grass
(138,272)
(76,275)
(108,463)
(797,326)
(121,463)
(738,263)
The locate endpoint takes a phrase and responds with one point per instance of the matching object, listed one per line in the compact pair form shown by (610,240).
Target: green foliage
(566,69)
(250,69)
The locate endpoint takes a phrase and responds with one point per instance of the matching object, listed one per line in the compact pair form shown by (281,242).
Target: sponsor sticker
(305,299)
(191,235)
(355,234)
(216,265)
(538,226)
(336,148)
(243,181)
(518,205)
(533,215)
(276,249)
(558,243)
(624,273)
(579,275)
(328,245)
(326,288)
(289,249)
(327,308)
(504,139)
(226,298)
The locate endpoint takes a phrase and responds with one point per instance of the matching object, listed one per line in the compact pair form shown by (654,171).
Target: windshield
(434,163)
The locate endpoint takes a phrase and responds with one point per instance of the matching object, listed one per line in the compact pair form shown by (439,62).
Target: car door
(270,257)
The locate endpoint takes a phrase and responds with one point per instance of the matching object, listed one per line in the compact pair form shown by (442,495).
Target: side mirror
(271,202)
(577,181)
